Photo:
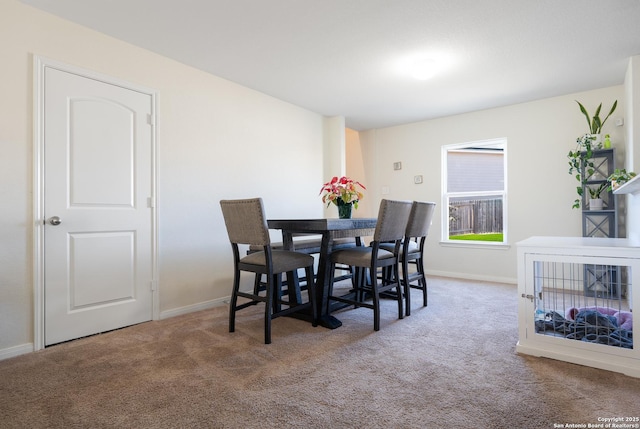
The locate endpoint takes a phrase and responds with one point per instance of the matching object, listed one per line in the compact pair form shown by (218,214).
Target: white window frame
(447,195)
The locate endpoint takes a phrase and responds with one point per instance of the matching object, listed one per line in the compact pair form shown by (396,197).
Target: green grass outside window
(478,237)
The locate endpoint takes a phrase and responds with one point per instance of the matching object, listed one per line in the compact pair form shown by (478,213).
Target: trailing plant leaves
(620,176)
(576,204)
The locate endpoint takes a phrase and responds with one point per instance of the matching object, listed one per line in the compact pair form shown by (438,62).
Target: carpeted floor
(450,365)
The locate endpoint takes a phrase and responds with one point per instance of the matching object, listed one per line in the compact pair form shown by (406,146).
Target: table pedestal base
(328,321)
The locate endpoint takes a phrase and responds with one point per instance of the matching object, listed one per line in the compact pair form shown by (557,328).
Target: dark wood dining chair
(412,251)
(390,227)
(247,225)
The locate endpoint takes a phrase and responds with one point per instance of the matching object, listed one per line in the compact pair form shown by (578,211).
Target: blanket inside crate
(588,325)
(623,319)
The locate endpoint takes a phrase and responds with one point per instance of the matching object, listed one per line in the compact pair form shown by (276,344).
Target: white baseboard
(29,348)
(14,351)
(206,305)
(458,275)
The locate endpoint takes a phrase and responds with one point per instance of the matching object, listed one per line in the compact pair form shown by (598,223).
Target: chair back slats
(392,220)
(246,221)
(420,219)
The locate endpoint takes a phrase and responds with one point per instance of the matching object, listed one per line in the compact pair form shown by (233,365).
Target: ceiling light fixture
(424,68)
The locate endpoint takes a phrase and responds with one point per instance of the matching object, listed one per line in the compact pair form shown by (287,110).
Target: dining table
(330,229)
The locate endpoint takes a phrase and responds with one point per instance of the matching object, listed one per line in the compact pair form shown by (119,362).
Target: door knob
(55,220)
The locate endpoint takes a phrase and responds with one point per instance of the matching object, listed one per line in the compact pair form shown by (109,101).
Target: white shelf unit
(599,223)
(551,275)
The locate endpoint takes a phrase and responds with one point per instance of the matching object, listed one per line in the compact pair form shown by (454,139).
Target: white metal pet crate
(576,301)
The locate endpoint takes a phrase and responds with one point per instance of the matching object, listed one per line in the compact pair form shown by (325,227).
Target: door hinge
(151,119)
(151,202)
(153,285)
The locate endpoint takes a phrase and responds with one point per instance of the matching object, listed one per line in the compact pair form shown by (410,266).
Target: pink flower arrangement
(342,189)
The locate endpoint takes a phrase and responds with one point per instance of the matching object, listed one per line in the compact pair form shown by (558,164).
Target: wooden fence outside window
(475,217)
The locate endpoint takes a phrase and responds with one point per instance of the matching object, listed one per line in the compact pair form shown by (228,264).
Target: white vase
(595,204)
(596,140)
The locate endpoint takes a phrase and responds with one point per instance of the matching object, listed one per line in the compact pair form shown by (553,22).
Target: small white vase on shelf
(595,204)
(596,140)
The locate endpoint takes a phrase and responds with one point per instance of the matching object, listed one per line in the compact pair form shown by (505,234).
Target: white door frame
(39,65)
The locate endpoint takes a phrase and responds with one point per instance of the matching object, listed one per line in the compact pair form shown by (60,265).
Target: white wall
(334,154)
(632,118)
(632,94)
(355,168)
(540,190)
(216,140)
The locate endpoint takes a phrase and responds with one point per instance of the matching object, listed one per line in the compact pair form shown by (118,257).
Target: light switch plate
(417,179)
(397,166)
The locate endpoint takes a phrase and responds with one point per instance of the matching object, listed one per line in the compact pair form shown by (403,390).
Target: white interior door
(97,206)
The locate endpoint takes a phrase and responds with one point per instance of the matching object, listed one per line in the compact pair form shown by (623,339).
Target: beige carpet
(449,365)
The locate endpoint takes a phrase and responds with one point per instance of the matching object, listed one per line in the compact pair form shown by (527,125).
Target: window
(474,192)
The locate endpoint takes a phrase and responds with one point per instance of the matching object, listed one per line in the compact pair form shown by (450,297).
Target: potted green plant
(595,202)
(581,157)
(595,124)
(619,177)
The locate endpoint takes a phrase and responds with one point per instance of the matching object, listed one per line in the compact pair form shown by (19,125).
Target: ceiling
(345,57)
